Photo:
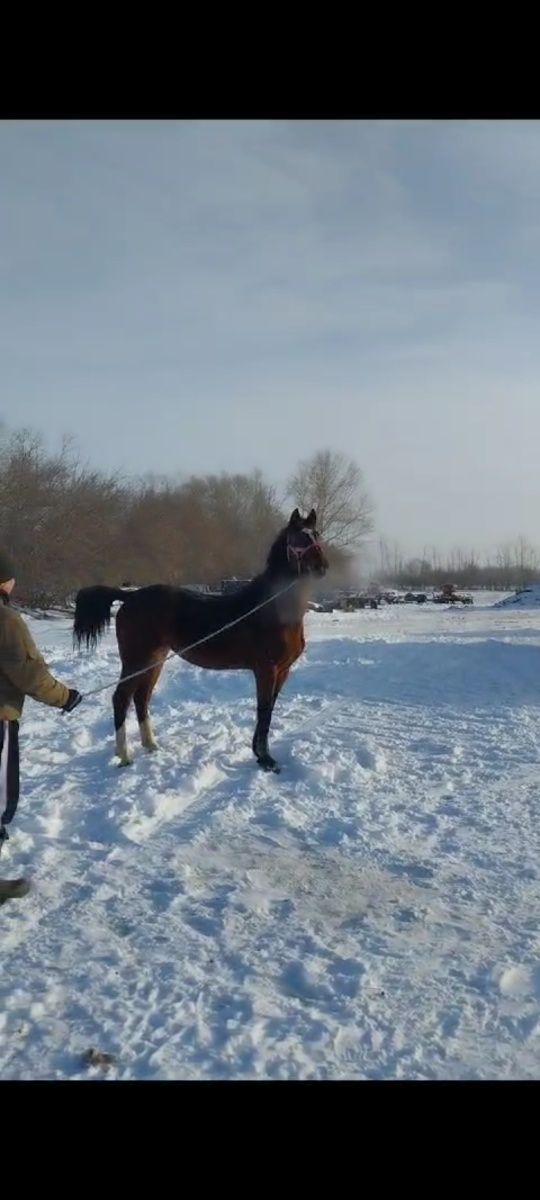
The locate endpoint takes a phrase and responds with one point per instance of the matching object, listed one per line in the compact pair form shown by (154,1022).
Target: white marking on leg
(122,747)
(147,736)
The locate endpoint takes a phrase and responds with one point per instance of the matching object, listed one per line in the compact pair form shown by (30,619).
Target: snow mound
(528,597)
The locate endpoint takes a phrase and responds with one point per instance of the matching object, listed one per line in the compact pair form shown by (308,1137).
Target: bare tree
(68,525)
(333,484)
(59,519)
(525,556)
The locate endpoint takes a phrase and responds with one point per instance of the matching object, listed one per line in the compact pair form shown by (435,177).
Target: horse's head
(305,553)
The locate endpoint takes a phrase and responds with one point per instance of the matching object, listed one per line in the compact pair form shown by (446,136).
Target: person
(23,672)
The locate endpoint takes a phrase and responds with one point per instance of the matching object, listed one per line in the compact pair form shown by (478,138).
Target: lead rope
(200,641)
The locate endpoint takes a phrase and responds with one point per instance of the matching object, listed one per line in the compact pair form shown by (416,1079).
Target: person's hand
(72,701)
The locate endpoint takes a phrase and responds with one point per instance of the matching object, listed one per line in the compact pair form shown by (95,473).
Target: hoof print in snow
(98,1058)
(405,915)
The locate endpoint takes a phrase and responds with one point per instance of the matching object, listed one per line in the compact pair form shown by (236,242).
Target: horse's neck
(292,595)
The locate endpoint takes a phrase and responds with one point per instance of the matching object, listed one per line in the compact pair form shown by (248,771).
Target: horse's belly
(281,645)
(218,662)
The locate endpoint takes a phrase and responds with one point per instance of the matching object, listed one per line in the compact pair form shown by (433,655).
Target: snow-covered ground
(372,912)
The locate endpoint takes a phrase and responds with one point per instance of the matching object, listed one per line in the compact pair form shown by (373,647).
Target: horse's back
(145,618)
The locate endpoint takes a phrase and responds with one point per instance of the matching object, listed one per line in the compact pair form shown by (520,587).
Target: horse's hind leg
(143,693)
(121,702)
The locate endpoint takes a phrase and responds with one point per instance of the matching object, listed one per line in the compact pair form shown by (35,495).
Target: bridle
(296,553)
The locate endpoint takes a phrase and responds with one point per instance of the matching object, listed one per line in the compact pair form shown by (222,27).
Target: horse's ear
(311,520)
(295,518)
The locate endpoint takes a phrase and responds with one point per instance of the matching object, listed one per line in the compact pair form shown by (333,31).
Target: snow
(372,912)
(528,597)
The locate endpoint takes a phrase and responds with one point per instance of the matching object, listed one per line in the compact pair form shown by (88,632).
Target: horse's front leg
(281,678)
(266,680)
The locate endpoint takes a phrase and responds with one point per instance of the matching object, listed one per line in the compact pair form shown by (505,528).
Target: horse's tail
(93,613)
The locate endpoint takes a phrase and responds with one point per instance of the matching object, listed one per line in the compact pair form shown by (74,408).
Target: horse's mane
(230,606)
(277,555)
(276,565)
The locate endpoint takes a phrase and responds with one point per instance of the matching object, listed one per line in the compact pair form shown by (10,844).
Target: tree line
(68,525)
(512,564)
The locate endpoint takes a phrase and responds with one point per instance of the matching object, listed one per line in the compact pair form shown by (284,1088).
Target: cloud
(348,282)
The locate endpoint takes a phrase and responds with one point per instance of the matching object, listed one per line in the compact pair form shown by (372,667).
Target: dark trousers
(9,774)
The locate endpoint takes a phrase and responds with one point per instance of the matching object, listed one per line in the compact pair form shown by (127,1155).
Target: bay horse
(155,620)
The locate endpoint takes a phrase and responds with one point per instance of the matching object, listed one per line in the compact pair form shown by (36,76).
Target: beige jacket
(23,670)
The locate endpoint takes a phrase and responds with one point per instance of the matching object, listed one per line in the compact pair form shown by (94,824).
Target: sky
(198,296)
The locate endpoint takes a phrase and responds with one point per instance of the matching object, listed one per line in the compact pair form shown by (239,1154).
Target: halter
(296,553)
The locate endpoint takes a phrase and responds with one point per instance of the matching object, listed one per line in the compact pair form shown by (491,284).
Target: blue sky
(204,296)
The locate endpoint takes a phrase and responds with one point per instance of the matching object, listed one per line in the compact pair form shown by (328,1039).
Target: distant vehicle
(356,600)
(448,595)
(391,597)
(321,606)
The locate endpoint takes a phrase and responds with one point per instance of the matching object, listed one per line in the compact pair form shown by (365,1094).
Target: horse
(152,621)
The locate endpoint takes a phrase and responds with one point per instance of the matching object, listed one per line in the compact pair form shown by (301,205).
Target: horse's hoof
(153,746)
(125,762)
(269,764)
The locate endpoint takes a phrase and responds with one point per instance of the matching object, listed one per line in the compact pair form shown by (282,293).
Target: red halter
(297,552)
